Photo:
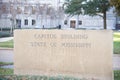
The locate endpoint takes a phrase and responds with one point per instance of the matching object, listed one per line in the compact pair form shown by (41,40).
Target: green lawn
(6,63)
(117,75)
(116,42)
(6,71)
(8,44)
(9,72)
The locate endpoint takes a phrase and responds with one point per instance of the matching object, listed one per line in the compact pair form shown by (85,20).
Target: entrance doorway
(18,23)
(72,24)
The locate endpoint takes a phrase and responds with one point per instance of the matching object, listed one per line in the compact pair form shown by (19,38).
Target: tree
(88,7)
(13,14)
(116,4)
(4,11)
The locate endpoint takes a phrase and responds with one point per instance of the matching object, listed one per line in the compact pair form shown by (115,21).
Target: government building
(48,14)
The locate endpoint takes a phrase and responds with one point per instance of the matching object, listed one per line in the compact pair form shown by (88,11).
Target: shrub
(6,29)
(4,34)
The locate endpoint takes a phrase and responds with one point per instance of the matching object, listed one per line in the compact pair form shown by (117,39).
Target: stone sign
(81,53)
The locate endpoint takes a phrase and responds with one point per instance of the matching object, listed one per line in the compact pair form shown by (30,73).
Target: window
(65,22)
(11,9)
(0,1)
(33,22)
(33,9)
(4,8)
(26,22)
(80,22)
(19,10)
(26,9)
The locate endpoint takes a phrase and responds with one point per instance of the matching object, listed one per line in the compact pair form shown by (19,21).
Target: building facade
(47,14)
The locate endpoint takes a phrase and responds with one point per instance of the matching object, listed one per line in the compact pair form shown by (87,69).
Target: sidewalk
(6,55)
(116,61)
(6,39)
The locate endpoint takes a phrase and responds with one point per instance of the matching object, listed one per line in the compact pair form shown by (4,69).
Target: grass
(6,63)
(117,75)
(116,42)
(8,44)
(6,71)
(9,72)
(36,78)
(10,76)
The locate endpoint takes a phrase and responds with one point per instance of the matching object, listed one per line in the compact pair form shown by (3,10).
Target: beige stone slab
(82,53)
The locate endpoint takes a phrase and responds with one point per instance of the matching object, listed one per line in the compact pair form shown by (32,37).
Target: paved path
(7,56)
(116,62)
(5,39)
(7,66)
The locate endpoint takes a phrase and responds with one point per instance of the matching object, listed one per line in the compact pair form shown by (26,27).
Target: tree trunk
(77,26)
(13,25)
(11,30)
(104,20)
